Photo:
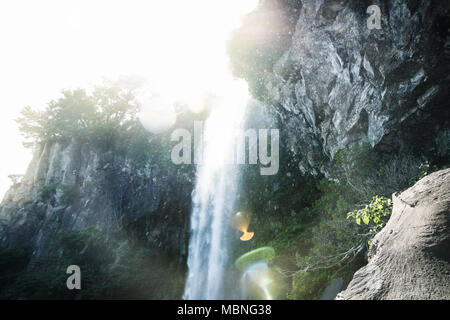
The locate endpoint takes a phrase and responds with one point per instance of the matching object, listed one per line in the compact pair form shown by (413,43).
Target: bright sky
(46,46)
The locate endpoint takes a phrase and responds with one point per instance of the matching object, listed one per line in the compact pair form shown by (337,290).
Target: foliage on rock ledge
(374,215)
(306,218)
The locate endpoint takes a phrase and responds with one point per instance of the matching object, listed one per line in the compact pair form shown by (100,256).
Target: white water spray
(213,199)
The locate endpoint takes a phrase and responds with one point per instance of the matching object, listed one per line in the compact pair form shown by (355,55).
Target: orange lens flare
(241,221)
(247,236)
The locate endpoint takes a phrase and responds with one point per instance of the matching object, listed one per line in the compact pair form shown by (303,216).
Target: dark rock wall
(101,190)
(338,83)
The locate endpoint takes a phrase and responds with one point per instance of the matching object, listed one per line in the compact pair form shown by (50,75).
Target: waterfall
(213,198)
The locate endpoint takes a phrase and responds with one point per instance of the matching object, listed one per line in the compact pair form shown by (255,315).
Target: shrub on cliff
(78,114)
(68,193)
(373,215)
(314,240)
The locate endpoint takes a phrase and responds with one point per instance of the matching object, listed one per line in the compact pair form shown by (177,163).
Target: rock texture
(78,186)
(338,82)
(410,257)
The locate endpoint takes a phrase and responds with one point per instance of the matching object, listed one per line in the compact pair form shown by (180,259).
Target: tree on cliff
(80,114)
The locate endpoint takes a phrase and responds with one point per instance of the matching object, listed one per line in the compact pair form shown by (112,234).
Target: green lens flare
(261,254)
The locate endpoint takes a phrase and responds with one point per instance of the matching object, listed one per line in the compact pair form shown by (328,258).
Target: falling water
(213,199)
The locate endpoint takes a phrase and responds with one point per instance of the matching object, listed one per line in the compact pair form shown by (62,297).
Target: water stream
(213,200)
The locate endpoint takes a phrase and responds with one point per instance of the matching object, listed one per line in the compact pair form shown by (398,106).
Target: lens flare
(259,280)
(241,221)
(265,254)
(247,236)
(156,115)
(195,103)
(258,276)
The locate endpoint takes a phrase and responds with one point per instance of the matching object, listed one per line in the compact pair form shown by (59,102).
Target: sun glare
(178,46)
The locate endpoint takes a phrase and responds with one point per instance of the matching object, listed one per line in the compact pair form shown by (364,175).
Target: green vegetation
(374,215)
(13,262)
(112,267)
(68,193)
(115,265)
(105,118)
(321,228)
(92,118)
(48,191)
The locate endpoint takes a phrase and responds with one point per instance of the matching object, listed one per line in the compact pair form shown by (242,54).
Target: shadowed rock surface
(410,257)
(335,82)
(77,186)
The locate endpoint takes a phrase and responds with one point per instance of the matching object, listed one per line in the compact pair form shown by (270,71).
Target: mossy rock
(261,254)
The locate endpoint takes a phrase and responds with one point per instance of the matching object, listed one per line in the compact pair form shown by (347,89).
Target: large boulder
(410,257)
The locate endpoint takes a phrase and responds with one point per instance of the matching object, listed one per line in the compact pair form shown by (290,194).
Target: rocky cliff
(410,258)
(77,186)
(335,82)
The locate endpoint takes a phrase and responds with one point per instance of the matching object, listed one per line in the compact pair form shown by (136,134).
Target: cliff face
(77,186)
(337,82)
(409,258)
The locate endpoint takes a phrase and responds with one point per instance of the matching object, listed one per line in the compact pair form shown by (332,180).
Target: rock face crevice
(410,257)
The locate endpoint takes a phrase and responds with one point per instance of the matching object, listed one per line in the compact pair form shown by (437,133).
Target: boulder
(410,257)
